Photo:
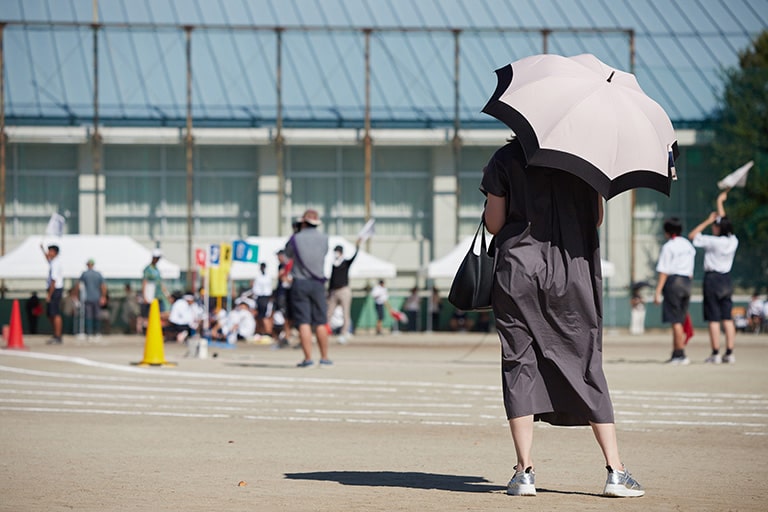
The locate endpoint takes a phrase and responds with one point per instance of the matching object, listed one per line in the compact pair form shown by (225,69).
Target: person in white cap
(241,322)
(152,286)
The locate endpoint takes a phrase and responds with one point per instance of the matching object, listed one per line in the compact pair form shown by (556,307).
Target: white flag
(737,178)
(55,225)
(367,231)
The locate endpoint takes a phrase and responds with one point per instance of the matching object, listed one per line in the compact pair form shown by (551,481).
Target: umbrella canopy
(580,115)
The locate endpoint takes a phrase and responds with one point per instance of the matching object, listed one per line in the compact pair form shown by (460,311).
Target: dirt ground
(399,423)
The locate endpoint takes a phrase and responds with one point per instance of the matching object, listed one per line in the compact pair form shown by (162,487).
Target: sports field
(408,422)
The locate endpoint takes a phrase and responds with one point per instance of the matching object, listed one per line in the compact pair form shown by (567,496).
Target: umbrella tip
(610,77)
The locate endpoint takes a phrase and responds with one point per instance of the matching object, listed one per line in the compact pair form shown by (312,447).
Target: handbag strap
(480,231)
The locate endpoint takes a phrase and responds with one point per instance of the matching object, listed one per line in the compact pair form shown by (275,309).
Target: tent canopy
(365,265)
(116,257)
(447,266)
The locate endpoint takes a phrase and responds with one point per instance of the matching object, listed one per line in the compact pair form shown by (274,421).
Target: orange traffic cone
(15,330)
(153,347)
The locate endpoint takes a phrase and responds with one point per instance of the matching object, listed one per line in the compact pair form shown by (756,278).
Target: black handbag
(472,285)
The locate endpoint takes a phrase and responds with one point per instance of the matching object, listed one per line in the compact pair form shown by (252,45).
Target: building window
(42,181)
(146,192)
(332,181)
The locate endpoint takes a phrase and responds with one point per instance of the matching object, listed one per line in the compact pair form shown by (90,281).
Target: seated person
(240,323)
(218,322)
(182,318)
(755,313)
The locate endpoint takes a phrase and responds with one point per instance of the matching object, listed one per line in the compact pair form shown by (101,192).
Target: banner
(737,178)
(214,254)
(245,252)
(200,257)
(368,230)
(55,225)
(219,274)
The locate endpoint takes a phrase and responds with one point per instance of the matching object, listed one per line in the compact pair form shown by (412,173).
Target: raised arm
(720,203)
(701,227)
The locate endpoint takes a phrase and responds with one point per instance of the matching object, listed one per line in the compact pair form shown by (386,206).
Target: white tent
(116,257)
(447,266)
(365,265)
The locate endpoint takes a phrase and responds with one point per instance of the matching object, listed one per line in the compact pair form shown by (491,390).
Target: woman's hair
(726,228)
(673,226)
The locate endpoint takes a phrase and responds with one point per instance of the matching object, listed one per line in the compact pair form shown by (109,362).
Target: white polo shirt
(719,251)
(677,257)
(262,285)
(55,273)
(182,313)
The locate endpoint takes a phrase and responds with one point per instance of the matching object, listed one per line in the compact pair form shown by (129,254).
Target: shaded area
(623,360)
(260,365)
(406,479)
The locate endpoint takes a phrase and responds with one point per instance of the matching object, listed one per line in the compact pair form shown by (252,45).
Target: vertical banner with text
(219,271)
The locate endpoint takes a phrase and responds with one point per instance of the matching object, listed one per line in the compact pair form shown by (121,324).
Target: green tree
(741,134)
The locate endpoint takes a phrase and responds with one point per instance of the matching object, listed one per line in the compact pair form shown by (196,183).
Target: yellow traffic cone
(153,347)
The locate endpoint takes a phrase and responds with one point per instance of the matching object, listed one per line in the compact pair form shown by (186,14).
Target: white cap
(157,253)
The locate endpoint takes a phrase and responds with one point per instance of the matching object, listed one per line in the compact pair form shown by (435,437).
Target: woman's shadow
(407,479)
(411,480)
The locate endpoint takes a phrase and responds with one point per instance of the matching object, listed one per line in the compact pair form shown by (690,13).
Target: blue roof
(682,48)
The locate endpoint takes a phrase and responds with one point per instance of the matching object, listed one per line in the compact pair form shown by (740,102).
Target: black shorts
(172,328)
(380,312)
(677,297)
(308,302)
(718,290)
(53,308)
(262,302)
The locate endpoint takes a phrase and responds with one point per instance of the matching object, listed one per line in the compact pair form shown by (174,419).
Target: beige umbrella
(585,117)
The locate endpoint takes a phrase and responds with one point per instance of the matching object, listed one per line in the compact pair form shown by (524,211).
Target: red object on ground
(15,329)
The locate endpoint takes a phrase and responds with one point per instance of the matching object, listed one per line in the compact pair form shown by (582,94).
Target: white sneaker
(342,340)
(729,358)
(523,483)
(620,484)
(679,361)
(714,359)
